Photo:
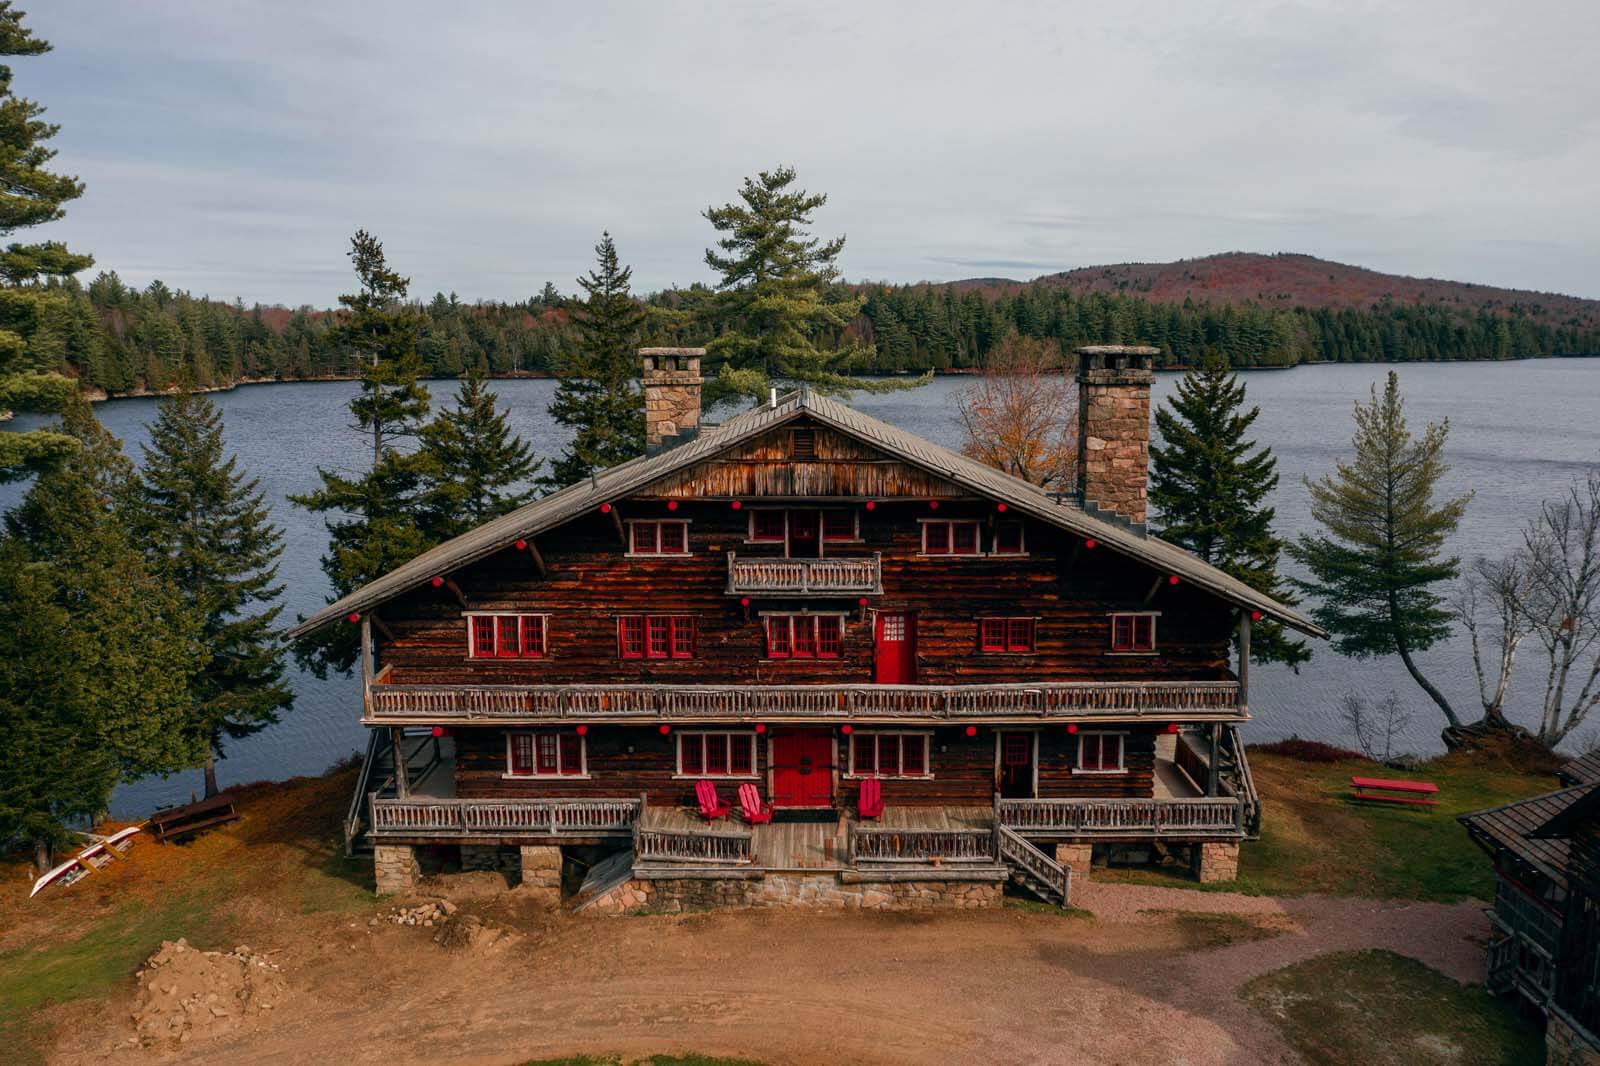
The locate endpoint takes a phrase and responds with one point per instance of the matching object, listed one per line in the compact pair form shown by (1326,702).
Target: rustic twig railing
(720,846)
(1214,817)
(1034,865)
(1066,699)
(837,576)
(532,817)
(870,844)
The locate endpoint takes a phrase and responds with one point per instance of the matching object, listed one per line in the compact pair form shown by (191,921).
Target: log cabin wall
(625,761)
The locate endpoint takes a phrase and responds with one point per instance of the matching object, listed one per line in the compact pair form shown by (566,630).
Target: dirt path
(1129,986)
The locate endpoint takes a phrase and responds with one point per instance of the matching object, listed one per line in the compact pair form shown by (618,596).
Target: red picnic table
(1415,793)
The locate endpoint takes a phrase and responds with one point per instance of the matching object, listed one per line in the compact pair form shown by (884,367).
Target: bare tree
(1563,605)
(1376,728)
(1491,605)
(1021,415)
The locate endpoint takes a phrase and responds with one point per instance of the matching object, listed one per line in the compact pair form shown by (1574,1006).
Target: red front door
(895,660)
(802,767)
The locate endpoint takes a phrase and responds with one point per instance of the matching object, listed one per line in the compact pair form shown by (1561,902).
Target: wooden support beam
(461,598)
(1072,558)
(538,560)
(402,779)
(1155,587)
(1213,772)
(366,649)
(616,520)
(1244,662)
(388,634)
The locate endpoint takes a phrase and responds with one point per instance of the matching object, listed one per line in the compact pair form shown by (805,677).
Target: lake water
(1520,432)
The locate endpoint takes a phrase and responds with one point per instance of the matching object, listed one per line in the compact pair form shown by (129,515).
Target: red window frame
(1133,632)
(956,536)
(656,636)
(506,636)
(1008,539)
(889,755)
(804,636)
(838,525)
(716,754)
(651,536)
(769,517)
(1100,752)
(1007,634)
(546,753)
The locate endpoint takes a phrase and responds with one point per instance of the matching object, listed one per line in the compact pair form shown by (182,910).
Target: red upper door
(1016,765)
(895,659)
(802,767)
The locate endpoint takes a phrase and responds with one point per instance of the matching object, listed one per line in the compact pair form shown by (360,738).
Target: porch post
(1216,754)
(1244,662)
(402,782)
(366,650)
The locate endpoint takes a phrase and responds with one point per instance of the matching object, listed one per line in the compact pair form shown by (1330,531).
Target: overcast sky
(231,148)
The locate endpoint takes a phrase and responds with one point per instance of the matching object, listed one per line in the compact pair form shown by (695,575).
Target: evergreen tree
(475,463)
(599,392)
(1375,569)
(207,528)
(96,651)
(30,196)
(781,312)
(373,525)
(1209,484)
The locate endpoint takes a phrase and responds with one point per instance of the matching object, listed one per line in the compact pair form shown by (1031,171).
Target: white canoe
(82,864)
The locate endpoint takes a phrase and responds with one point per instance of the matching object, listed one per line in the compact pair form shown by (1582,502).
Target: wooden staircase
(1031,868)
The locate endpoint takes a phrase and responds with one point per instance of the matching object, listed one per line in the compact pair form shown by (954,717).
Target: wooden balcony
(837,576)
(1199,818)
(388,704)
(434,818)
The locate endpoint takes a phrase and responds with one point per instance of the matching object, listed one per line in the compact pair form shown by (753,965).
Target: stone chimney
(1114,428)
(671,379)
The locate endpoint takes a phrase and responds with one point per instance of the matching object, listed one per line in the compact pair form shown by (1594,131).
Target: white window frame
(657,522)
(855,527)
(534,775)
(472,635)
(677,755)
(977,525)
(994,540)
(927,754)
(766,643)
(1122,751)
(1111,633)
(750,529)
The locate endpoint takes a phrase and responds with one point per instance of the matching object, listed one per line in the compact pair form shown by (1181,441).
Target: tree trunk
(211,772)
(1427,686)
(42,855)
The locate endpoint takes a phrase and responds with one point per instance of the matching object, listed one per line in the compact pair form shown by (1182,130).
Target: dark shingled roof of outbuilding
(1515,828)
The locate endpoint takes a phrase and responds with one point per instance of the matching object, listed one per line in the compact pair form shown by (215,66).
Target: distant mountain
(1289,280)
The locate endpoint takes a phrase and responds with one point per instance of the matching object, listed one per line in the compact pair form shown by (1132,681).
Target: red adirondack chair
(755,811)
(870,802)
(711,807)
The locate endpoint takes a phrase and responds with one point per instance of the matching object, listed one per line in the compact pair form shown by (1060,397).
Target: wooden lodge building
(933,677)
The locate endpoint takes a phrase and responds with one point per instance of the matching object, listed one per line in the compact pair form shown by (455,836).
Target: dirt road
(1133,985)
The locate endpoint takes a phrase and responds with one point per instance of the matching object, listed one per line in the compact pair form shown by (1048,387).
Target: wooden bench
(1381,790)
(173,823)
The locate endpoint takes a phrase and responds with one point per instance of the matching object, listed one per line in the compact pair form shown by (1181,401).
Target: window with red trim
(838,525)
(656,636)
(889,755)
(1008,538)
(1006,634)
(1100,752)
(659,537)
(804,636)
(769,526)
(506,636)
(950,538)
(1133,632)
(716,754)
(549,753)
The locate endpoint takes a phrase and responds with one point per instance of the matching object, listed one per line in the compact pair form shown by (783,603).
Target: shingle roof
(1584,770)
(634,475)
(1513,826)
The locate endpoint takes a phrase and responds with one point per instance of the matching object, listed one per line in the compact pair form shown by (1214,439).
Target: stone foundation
(1215,862)
(541,874)
(1565,1046)
(487,857)
(395,869)
(1076,856)
(821,891)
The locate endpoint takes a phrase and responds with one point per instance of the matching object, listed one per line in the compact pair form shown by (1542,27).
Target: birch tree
(1562,606)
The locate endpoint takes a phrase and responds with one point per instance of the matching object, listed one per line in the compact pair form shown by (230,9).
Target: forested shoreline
(122,340)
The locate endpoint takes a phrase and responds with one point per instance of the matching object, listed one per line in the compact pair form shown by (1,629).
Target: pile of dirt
(185,993)
(470,933)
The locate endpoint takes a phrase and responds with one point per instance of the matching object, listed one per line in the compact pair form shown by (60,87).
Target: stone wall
(1215,862)
(395,869)
(1114,428)
(1078,857)
(671,380)
(821,891)
(1564,1046)
(503,860)
(541,874)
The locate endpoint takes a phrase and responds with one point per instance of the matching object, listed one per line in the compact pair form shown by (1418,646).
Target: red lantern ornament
(1172,727)
(744,601)
(972,730)
(438,582)
(522,545)
(352,618)
(583,730)
(1000,507)
(672,505)
(933,505)
(1172,579)
(605,508)
(737,505)
(872,505)
(1072,727)
(664,729)
(847,729)
(440,731)
(761,727)
(1255,616)
(862,602)
(1089,544)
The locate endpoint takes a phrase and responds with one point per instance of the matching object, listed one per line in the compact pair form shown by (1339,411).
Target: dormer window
(658,537)
(803,444)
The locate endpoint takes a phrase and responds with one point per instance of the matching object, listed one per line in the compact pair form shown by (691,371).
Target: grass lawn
(1376,1008)
(1314,838)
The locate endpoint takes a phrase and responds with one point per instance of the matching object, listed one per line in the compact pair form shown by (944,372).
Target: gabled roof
(1584,770)
(1516,828)
(635,475)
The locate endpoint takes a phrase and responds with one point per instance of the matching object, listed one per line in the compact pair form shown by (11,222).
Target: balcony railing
(423,704)
(1221,817)
(468,818)
(871,843)
(840,576)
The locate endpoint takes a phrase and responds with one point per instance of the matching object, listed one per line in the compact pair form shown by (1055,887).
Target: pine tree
(475,463)
(1375,569)
(203,524)
(373,525)
(598,396)
(30,196)
(1209,484)
(781,314)
(96,651)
